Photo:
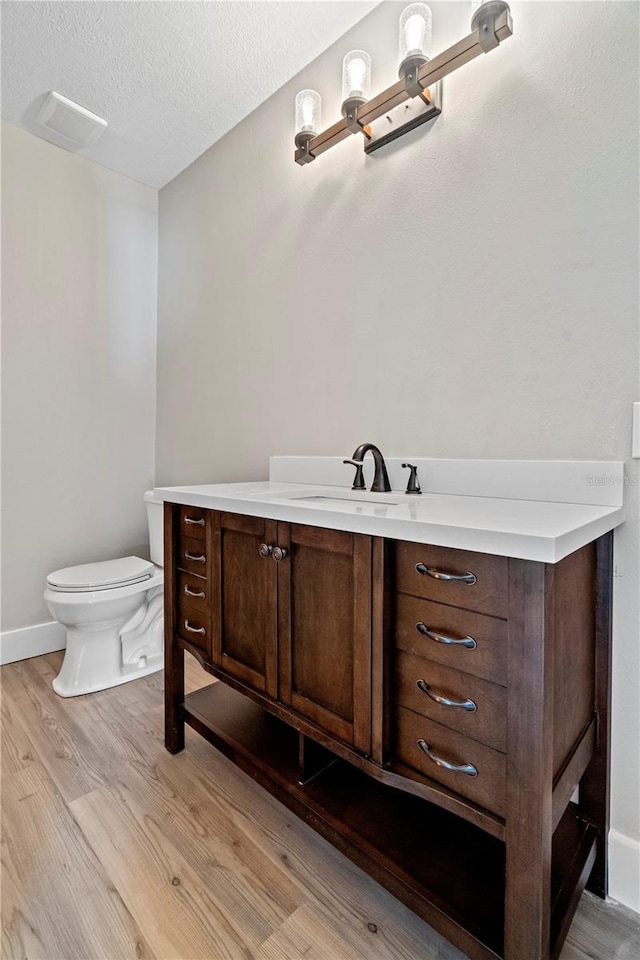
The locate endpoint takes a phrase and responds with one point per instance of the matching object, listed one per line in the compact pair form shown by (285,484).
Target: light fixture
(356,76)
(308,112)
(415,44)
(415,34)
(415,98)
(356,85)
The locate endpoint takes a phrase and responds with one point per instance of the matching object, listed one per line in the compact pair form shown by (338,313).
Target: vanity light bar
(418,92)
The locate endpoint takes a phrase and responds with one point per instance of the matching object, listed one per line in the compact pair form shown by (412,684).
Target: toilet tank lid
(105,573)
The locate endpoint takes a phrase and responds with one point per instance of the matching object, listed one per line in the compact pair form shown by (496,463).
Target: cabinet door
(324,620)
(244,610)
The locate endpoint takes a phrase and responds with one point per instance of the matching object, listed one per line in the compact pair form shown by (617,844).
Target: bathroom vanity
(425,684)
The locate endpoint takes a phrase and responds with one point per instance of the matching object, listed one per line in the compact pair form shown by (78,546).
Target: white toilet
(113,615)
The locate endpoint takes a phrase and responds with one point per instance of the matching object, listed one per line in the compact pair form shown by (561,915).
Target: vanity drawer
(192,556)
(195,591)
(483,716)
(193,522)
(426,571)
(194,625)
(415,734)
(482,652)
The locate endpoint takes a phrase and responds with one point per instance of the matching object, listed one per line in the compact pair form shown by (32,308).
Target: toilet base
(63,690)
(105,654)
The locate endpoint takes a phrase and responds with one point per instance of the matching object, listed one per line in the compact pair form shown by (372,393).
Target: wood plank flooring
(112,849)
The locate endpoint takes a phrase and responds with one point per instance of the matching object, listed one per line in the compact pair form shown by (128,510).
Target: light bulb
(415,32)
(356,75)
(308,106)
(357,71)
(307,114)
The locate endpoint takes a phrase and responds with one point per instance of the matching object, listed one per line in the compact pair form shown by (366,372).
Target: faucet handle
(413,486)
(358,480)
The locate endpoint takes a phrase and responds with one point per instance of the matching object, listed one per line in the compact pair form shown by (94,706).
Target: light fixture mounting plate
(405,117)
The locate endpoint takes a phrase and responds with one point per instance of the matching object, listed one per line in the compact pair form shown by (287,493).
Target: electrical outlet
(635,443)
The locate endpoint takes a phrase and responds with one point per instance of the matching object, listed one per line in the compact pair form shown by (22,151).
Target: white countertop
(528,529)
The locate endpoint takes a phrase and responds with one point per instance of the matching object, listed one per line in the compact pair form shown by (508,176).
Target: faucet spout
(381,478)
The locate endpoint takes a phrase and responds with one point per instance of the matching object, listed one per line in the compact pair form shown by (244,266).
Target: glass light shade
(415,31)
(492,8)
(308,106)
(475,6)
(356,75)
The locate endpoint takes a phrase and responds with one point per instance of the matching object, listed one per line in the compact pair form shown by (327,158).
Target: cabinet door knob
(265,549)
(279,553)
(467,642)
(426,571)
(467,768)
(191,629)
(443,700)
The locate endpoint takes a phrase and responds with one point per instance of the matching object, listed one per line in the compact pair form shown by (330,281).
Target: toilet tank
(155,519)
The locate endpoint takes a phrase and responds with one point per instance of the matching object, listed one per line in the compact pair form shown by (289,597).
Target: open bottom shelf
(446,870)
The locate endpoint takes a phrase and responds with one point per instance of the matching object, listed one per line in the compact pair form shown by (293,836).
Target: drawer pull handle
(194,593)
(467,642)
(467,768)
(197,559)
(265,549)
(191,629)
(445,701)
(196,523)
(426,571)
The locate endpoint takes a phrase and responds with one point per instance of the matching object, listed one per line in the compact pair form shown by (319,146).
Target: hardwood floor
(112,849)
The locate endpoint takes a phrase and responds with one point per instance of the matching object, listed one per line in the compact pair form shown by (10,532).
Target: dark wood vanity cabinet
(324,630)
(245,599)
(192,551)
(288,614)
(461,697)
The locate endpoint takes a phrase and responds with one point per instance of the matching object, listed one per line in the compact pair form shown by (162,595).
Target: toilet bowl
(113,615)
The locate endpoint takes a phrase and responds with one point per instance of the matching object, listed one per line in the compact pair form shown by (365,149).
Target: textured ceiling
(169,77)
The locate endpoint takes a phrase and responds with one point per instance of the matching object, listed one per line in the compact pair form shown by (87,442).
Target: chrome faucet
(380,479)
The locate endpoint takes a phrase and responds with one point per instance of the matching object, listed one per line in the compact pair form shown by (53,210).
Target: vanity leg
(173,698)
(173,653)
(594,786)
(528,826)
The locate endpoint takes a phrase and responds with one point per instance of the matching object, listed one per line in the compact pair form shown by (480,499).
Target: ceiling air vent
(67,119)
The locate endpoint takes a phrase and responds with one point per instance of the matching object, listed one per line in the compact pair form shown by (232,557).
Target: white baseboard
(624,870)
(31,641)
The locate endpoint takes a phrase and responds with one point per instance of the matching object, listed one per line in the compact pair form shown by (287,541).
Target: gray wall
(469,292)
(79,301)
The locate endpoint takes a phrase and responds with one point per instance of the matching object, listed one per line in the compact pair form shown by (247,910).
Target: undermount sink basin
(339,498)
(322,499)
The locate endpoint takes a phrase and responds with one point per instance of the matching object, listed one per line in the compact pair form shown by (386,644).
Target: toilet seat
(104,575)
